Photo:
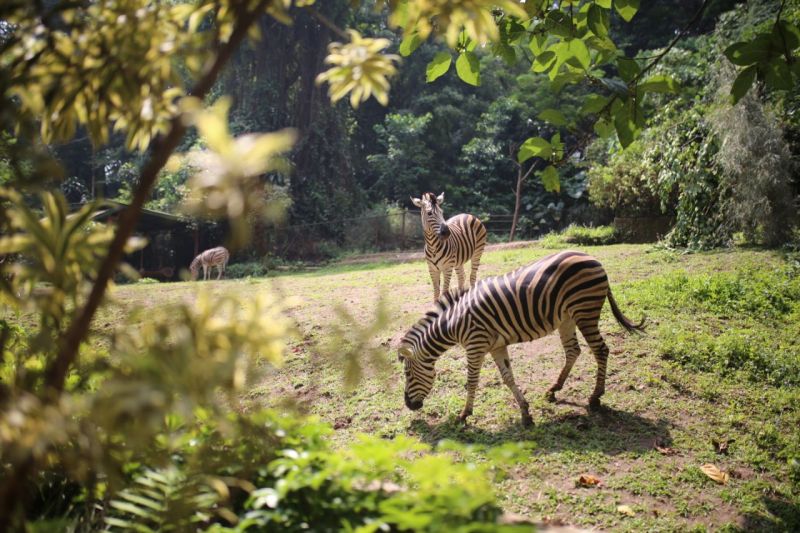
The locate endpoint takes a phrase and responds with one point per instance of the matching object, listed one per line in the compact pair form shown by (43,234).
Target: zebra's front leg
(435,279)
(219,272)
(447,273)
(461,277)
(503,363)
(474,363)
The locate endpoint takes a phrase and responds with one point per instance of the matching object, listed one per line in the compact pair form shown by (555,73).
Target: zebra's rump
(467,236)
(533,300)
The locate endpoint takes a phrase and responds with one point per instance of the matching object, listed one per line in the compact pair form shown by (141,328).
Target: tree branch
(164,147)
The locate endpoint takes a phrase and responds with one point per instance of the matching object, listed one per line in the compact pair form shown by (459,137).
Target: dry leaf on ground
(626,510)
(666,450)
(715,473)
(721,446)
(588,480)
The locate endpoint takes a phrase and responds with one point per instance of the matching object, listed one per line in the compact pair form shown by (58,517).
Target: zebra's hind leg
(591,333)
(461,276)
(503,363)
(569,340)
(474,363)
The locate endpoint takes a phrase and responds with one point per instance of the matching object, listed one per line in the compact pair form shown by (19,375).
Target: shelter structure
(172,241)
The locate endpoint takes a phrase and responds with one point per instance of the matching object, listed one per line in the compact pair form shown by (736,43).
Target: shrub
(297,481)
(250,269)
(580,235)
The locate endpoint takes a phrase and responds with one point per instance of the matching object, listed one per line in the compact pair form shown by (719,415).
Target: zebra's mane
(448,299)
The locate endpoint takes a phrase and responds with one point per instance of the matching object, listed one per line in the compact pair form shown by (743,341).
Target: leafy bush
(580,235)
(250,269)
(294,480)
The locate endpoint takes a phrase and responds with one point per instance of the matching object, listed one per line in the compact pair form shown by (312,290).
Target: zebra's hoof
(594,404)
(550,396)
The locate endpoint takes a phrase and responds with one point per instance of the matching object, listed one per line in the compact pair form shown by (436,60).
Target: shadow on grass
(608,431)
(783,516)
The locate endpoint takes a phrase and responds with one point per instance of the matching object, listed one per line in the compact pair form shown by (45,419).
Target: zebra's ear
(404,352)
(416,201)
(440,199)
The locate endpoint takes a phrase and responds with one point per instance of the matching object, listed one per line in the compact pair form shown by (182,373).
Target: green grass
(717,363)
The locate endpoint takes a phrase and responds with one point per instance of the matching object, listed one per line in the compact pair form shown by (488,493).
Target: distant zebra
(560,291)
(450,244)
(215,257)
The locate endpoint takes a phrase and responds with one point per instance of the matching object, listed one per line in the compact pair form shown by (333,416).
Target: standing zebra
(450,244)
(560,291)
(215,257)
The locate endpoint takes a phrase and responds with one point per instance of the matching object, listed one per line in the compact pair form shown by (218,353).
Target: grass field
(719,363)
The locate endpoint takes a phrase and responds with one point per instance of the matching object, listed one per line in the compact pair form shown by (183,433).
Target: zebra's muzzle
(444,231)
(413,405)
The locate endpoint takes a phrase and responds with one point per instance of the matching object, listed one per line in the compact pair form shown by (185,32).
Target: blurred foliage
(579,235)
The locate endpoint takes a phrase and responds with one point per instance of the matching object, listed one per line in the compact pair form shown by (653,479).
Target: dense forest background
(717,170)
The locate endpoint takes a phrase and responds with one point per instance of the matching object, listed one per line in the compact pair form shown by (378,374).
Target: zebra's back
(534,300)
(467,236)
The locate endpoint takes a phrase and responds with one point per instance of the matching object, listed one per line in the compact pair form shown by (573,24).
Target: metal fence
(397,230)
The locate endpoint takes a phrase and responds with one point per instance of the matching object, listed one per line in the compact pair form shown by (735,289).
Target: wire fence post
(403,230)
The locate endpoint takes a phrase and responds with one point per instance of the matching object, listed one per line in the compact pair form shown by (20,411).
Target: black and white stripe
(450,244)
(564,292)
(215,257)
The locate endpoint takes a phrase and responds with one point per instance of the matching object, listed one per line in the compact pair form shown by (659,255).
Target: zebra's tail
(622,319)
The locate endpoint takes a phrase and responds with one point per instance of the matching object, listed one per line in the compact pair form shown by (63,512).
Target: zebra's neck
(433,241)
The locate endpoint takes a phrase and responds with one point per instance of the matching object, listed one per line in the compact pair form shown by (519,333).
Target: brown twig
(328,23)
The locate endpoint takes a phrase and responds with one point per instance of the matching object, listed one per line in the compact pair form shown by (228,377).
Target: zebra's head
(194,268)
(422,345)
(419,372)
(430,208)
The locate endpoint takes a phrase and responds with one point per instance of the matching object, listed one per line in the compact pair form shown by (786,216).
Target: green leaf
(626,8)
(553,116)
(747,53)
(543,61)
(603,128)
(469,68)
(537,43)
(550,179)
(742,83)
(505,52)
(628,68)
(438,66)
(778,76)
(534,147)
(606,4)
(596,20)
(785,36)
(593,103)
(559,23)
(659,84)
(409,44)
(626,123)
(577,48)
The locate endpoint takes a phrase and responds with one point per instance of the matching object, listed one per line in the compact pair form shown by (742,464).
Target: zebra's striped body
(559,292)
(449,245)
(215,257)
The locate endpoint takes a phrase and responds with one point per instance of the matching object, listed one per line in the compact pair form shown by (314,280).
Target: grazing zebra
(560,291)
(450,244)
(215,257)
